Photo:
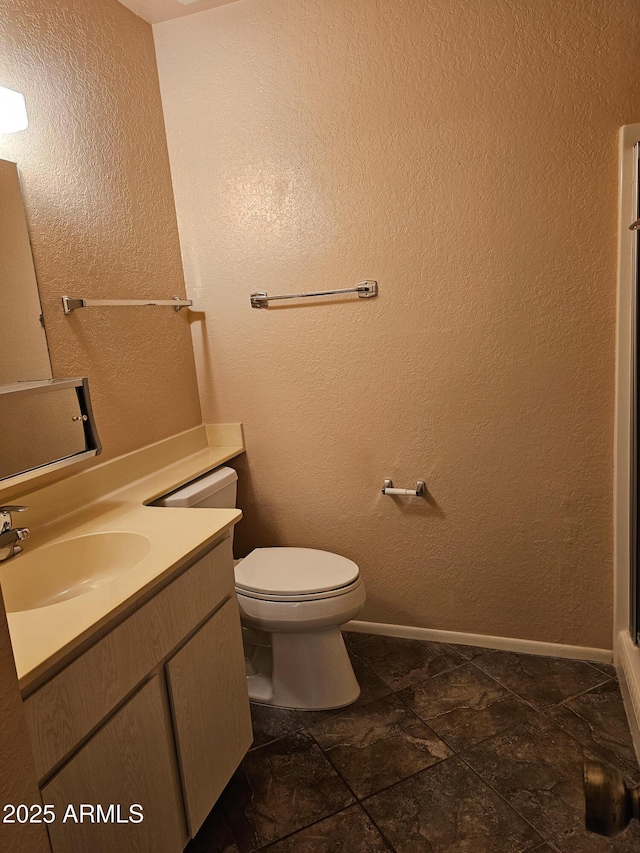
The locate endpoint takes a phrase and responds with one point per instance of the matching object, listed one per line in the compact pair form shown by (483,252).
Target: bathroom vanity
(154,713)
(134,689)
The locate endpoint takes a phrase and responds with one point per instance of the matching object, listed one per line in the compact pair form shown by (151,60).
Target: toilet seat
(295,574)
(299,616)
(314,596)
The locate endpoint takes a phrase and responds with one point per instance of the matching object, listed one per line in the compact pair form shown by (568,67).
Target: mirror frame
(92,441)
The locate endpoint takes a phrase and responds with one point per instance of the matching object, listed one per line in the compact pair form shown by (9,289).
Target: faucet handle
(5,516)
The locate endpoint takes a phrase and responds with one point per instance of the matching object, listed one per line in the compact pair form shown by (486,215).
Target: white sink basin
(69,568)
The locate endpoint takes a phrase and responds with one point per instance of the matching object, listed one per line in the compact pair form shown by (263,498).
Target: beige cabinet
(155,712)
(131,760)
(212,722)
(65,710)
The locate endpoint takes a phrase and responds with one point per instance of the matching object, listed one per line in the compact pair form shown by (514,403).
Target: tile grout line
(424,769)
(383,835)
(423,643)
(595,666)
(507,803)
(392,784)
(306,826)
(358,800)
(509,690)
(484,781)
(313,823)
(279,737)
(591,749)
(529,703)
(427,678)
(355,805)
(473,745)
(582,693)
(398,781)
(328,758)
(373,821)
(555,704)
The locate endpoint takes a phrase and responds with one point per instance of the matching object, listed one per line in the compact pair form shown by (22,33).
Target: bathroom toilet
(292,604)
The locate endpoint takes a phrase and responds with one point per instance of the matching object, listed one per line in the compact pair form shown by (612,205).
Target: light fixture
(13,111)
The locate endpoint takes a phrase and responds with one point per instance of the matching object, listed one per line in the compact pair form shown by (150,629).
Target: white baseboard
(509,644)
(628,667)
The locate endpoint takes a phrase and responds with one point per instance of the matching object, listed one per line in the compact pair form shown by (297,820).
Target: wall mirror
(24,355)
(45,423)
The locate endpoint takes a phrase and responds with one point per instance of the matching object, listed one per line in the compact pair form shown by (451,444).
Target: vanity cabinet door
(211,717)
(131,759)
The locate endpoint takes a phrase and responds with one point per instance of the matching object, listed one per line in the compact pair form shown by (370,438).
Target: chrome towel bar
(365,290)
(70,304)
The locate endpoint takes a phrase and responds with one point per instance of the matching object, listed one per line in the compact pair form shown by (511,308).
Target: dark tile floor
(449,749)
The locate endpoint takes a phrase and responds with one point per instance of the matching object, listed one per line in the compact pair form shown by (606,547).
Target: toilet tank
(216,489)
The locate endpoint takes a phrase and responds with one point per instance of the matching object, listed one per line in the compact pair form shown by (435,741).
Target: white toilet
(292,603)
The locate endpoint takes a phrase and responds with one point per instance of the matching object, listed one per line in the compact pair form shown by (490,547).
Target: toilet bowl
(292,604)
(308,667)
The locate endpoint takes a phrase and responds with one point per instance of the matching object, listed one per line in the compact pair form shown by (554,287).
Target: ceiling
(156,11)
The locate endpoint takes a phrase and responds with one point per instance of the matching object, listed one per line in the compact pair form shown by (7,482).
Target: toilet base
(309,671)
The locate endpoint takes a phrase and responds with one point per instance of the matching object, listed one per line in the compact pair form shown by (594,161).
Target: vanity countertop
(113,498)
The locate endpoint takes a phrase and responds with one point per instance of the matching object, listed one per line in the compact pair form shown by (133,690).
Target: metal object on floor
(610,802)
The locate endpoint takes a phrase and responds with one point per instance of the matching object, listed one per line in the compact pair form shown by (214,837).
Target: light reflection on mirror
(24,355)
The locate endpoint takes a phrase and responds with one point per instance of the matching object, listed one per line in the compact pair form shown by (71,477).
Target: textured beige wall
(162,10)
(100,209)
(463,154)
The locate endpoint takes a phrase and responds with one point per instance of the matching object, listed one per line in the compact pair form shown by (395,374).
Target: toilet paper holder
(419,492)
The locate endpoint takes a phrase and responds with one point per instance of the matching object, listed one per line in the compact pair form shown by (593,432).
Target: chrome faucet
(9,535)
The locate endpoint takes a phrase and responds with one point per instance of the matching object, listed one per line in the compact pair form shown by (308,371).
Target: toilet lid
(294,570)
